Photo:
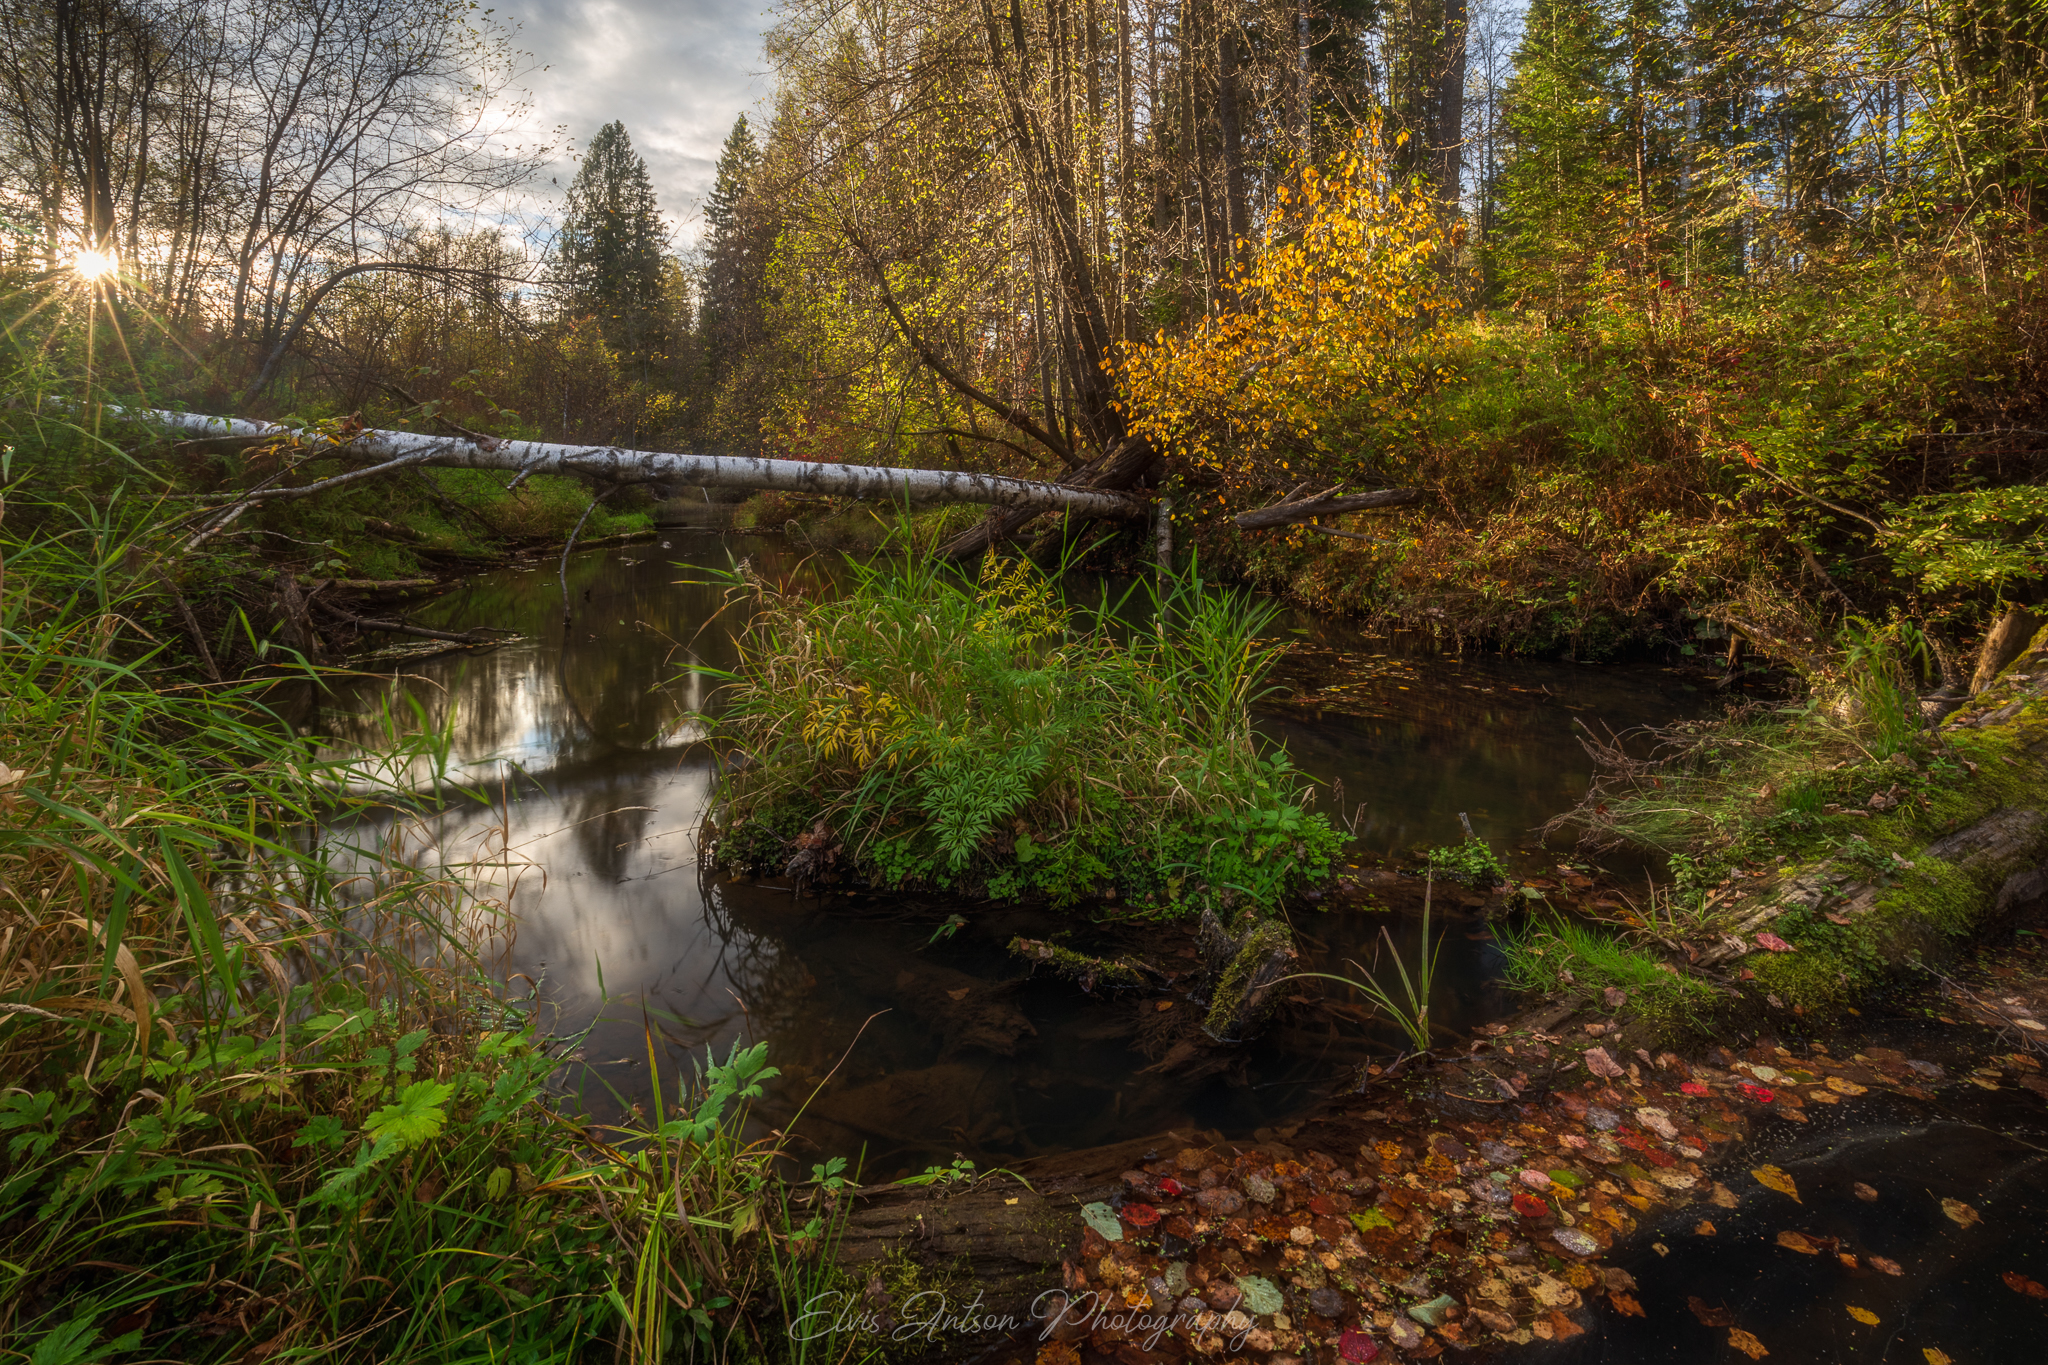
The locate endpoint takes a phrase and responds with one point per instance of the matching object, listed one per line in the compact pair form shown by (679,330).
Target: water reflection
(581,741)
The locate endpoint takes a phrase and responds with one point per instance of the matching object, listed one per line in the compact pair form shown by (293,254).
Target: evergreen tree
(609,258)
(734,254)
(737,246)
(1566,184)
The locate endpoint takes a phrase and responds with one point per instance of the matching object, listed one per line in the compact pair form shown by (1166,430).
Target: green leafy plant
(1473,862)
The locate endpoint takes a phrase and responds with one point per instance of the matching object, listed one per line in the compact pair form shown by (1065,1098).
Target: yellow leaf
(1936,1356)
(1747,1344)
(1772,1178)
(1863,1315)
(1959,1212)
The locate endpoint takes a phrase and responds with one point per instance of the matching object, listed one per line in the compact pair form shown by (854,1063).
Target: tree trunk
(613,465)
(2004,644)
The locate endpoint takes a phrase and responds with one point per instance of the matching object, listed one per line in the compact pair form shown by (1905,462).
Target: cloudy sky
(676,71)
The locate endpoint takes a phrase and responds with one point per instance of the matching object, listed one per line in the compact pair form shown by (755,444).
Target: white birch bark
(612,464)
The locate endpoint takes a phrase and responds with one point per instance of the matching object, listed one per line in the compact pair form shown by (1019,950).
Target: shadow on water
(585,742)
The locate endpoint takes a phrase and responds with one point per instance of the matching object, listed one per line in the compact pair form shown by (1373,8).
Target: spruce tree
(609,258)
(732,322)
(735,254)
(1567,182)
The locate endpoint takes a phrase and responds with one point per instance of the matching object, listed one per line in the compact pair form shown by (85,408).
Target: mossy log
(999,1237)
(1248,978)
(1089,972)
(1920,873)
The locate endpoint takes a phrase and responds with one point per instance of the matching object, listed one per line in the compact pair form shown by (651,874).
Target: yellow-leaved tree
(1312,369)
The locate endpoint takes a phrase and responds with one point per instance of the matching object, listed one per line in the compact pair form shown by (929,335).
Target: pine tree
(731,320)
(609,258)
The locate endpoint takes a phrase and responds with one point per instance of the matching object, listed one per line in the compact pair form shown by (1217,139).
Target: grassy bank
(1823,850)
(924,728)
(257,1109)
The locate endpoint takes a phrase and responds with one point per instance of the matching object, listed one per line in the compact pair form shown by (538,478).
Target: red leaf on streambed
(2020,1284)
(1761,1094)
(1172,1188)
(1140,1215)
(1356,1346)
(1694,1088)
(1529,1206)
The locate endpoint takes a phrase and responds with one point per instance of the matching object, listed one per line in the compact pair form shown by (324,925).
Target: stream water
(583,743)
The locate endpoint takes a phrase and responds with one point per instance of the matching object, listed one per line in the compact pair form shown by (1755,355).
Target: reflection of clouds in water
(599,871)
(505,713)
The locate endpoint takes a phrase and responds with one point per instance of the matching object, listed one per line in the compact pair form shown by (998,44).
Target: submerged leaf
(1885,1264)
(1959,1212)
(1708,1315)
(1793,1241)
(1103,1219)
(1261,1295)
(1747,1344)
(1862,1315)
(1772,1178)
(1600,1064)
(2020,1284)
(1357,1347)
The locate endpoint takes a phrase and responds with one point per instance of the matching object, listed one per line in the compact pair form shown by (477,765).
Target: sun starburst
(93,265)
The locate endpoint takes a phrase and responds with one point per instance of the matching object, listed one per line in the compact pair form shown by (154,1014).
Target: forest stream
(597,784)
(924,1040)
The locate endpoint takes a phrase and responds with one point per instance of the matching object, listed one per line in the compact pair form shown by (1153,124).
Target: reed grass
(1409,1010)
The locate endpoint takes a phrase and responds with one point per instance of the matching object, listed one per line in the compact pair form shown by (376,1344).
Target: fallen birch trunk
(613,465)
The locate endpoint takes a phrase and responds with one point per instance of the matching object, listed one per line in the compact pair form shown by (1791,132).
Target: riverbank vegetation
(927,729)
(264,1094)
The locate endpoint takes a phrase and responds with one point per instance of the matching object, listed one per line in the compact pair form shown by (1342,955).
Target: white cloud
(677,74)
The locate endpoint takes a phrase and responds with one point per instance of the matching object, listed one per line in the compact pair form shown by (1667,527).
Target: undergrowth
(257,1108)
(1558,954)
(925,728)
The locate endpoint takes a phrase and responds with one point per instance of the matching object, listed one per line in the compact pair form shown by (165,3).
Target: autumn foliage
(1318,350)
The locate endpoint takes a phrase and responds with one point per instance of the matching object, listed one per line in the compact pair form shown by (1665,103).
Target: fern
(966,799)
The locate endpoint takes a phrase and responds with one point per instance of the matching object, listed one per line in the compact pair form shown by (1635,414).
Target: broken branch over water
(615,465)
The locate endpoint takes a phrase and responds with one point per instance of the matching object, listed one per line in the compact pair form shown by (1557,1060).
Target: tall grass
(257,1107)
(982,732)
